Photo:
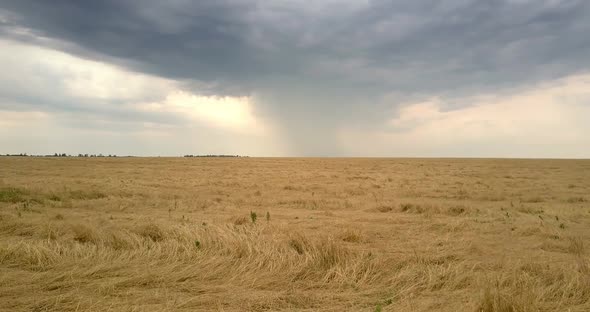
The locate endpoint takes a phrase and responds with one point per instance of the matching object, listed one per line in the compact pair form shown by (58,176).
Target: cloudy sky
(465,78)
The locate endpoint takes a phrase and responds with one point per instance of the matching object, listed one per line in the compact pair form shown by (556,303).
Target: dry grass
(345,235)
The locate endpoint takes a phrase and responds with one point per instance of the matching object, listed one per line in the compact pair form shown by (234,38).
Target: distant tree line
(94,155)
(21,155)
(214,156)
(58,155)
(101,155)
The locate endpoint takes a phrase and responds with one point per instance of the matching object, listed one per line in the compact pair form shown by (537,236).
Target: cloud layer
(550,120)
(299,77)
(55,101)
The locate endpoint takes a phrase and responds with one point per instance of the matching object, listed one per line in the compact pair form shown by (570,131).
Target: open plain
(294,234)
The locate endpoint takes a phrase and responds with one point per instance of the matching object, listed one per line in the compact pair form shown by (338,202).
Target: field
(280,234)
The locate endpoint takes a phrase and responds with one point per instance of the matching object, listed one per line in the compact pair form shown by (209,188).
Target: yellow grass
(166,234)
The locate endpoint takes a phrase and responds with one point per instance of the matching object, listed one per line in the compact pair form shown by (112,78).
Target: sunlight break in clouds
(53,93)
(233,113)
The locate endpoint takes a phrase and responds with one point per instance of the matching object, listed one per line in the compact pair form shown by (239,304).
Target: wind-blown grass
(181,236)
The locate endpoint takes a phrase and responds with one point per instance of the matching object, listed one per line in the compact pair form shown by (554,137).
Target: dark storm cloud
(204,41)
(318,64)
(243,45)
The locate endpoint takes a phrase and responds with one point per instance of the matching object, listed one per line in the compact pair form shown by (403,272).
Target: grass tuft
(151,231)
(84,233)
(13,195)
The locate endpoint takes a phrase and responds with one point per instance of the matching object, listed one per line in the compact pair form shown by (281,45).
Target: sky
(375,78)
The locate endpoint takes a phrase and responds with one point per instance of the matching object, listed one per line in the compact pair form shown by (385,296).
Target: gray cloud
(247,44)
(317,66)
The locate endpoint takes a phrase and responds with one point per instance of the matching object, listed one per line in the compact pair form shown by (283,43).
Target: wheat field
(289,234)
